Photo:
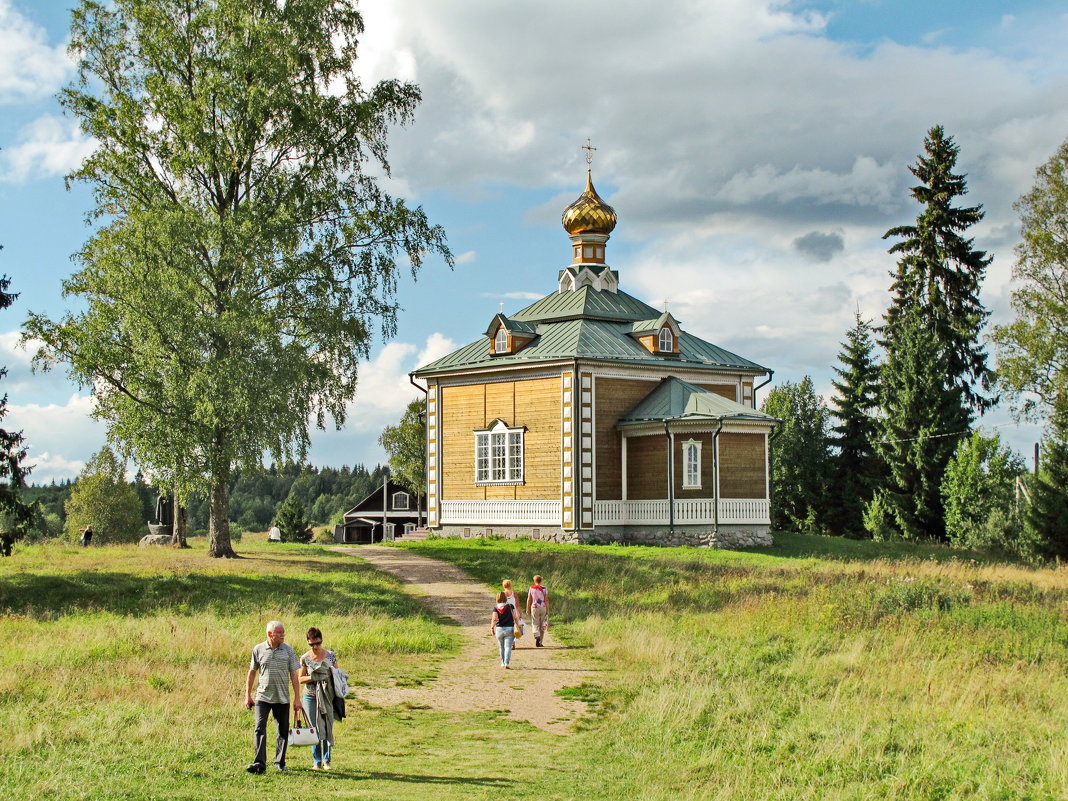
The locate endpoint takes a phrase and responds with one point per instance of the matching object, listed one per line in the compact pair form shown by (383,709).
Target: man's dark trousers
(281,718)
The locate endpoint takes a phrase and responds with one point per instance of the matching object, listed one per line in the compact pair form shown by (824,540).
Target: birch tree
(245,249)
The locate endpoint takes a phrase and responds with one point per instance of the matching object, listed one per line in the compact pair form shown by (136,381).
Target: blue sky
(755,152)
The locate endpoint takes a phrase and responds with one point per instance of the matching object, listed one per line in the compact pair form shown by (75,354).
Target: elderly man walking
(278,668)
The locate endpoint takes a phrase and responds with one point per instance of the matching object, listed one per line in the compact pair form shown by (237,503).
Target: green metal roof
(676,399)
(588,303)
(591,339)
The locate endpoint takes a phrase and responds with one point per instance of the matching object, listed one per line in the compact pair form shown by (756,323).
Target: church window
(691,454)
(587,252)
(400,500)
(667,340)
(500,342)
(499,455)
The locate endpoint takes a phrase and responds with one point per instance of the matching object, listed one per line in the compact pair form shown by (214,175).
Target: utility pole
(385,480)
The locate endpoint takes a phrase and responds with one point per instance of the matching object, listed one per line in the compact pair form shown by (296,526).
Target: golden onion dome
(589,214)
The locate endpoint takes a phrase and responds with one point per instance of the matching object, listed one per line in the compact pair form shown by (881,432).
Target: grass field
(819,669)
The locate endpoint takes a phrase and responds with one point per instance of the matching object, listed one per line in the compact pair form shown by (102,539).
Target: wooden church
(590,416)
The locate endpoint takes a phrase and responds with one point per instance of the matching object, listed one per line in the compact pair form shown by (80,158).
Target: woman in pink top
(538,610)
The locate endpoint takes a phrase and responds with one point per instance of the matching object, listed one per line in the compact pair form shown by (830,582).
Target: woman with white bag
(517,611)
(315,675)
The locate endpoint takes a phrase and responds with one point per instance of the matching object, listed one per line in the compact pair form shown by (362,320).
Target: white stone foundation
(729,537)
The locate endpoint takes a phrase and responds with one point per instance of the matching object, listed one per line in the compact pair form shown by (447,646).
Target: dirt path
(474,680)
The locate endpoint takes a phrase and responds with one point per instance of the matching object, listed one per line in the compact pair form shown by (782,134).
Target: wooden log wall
(533,403)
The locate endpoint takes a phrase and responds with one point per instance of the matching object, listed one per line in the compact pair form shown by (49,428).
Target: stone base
(155,539)
(728,536)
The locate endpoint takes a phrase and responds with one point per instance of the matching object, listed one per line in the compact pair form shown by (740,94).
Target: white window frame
(500,341)
(691,464)
(499,452)
(670,340)
(396,501)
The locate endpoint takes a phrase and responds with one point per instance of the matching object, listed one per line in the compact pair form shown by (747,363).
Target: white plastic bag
(341,681)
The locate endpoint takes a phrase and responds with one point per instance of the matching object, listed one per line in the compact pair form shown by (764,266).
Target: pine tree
(1048,516)
(922,421)
(854,464)
(942,272)
(800,462)
(292,520)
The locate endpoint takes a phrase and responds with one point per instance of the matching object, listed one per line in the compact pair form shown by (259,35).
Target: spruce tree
(922,421)
(854,464)
(292,520)
(941,271)
(801,459)
(1048,516)
(15,515)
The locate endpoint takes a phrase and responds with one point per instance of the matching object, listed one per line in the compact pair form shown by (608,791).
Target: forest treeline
(326,492)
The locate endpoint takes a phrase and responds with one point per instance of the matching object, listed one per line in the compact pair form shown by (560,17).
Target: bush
(103,499)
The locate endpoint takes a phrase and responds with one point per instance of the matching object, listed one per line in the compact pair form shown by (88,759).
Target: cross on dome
(589,152)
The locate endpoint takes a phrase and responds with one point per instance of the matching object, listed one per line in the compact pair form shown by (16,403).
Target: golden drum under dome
(589,214)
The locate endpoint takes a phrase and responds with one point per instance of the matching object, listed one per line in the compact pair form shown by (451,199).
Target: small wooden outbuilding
(387,514)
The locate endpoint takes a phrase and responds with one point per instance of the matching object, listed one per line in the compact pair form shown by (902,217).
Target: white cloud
(520,295)
(382,395)
(11,352)
(48,467)
(60,437)
(30,67)
(437,345)
(384,391)
(867,183)
(467,257)
(48,146)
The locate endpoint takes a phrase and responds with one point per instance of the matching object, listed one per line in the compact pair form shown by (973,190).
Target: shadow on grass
(221,593)
(606,581)
(415,778)
(791,545)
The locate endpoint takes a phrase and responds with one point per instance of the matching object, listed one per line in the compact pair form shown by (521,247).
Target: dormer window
(500,341)
(666,343)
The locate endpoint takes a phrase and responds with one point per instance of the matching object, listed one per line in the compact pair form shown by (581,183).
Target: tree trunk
(219,519)
(178,537)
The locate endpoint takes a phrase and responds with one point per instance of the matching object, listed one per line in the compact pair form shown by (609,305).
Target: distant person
(502,626)
(278,667)
(538,610)
(319,696)
(513,601)
(87,536)
(274,534)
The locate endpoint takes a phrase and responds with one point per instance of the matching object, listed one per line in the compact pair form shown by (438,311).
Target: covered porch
(688,512)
